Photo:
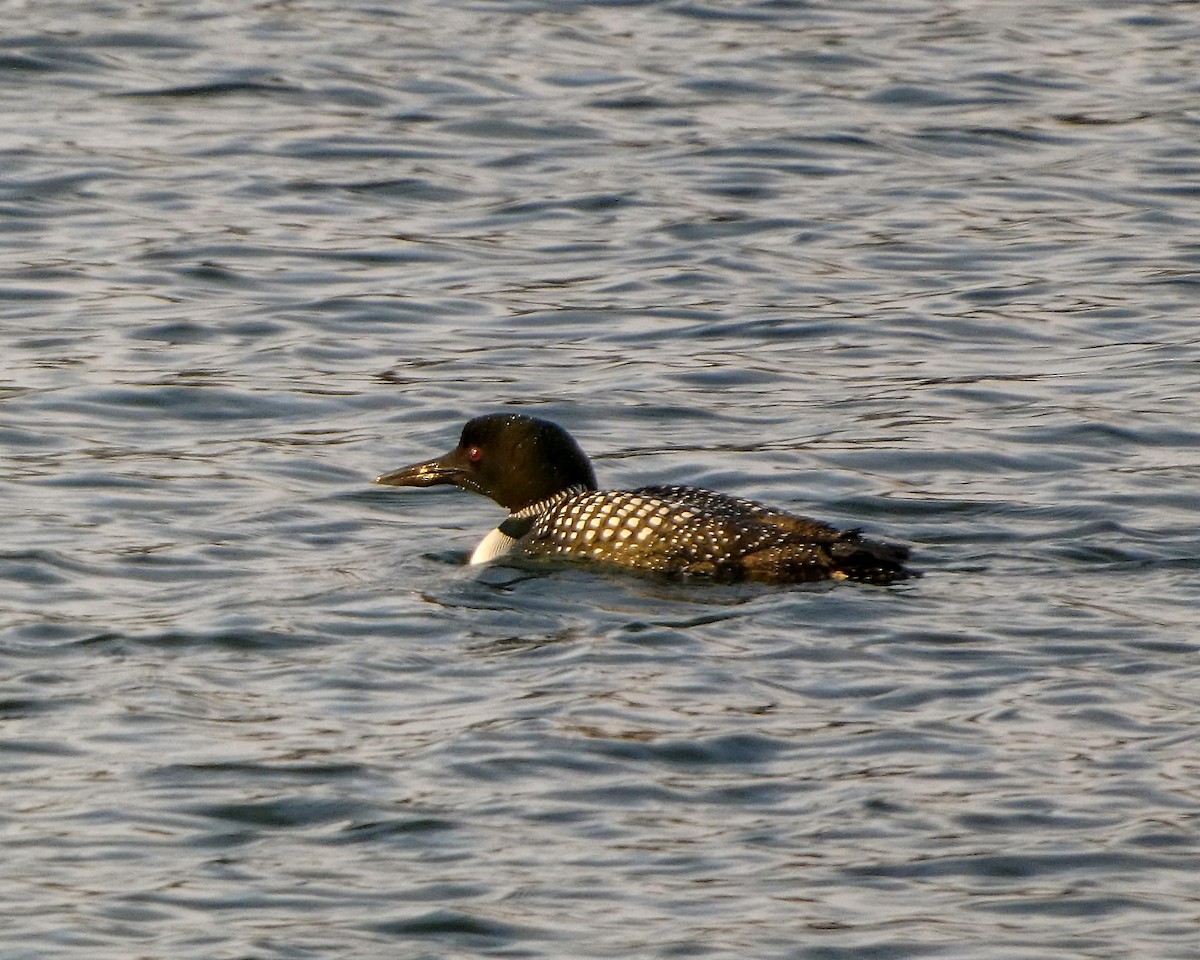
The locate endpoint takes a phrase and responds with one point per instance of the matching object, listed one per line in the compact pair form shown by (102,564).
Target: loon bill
(537,471)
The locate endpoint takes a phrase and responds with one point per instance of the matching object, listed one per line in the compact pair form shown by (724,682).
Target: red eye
(474,454)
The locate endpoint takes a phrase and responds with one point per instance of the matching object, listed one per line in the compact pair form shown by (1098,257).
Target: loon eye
(474,454)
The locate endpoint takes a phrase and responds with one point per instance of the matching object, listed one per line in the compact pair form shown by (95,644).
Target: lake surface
(928,269)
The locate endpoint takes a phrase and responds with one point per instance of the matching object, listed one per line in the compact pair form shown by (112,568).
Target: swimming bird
(537,471)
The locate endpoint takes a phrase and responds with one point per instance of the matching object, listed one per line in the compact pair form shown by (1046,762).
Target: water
(930,270)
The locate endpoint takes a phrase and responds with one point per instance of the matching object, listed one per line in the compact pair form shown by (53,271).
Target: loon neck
(537,509)
(504,539)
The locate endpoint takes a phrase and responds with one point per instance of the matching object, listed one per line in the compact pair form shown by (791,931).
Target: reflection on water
(923,271)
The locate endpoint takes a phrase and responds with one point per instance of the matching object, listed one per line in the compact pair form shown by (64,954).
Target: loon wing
(742,510)
(688,531)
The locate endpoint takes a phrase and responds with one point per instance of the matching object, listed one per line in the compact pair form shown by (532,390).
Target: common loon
(537,471)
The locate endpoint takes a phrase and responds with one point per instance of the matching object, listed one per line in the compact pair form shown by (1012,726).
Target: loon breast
(495,545)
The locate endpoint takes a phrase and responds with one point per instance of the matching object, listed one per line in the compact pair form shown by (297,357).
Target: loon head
(513,459)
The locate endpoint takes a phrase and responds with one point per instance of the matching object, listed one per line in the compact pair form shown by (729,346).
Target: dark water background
(927,268)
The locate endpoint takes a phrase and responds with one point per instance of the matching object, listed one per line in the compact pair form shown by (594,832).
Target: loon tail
(856,558)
